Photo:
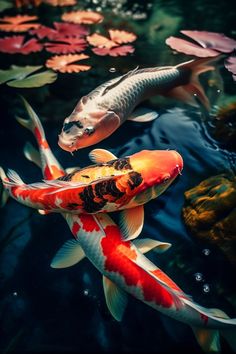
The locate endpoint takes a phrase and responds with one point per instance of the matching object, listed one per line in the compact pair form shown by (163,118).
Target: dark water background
(43,309)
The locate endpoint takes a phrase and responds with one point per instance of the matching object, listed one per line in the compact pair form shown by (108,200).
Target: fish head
(87,125)
(157,167)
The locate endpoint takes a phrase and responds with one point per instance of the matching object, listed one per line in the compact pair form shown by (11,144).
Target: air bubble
(206,288)
(206,251)
(15,293)
(85,292)
(112,70)
(218,91)
(198,276)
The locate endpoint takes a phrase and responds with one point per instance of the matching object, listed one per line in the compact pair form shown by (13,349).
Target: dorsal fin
(118,80)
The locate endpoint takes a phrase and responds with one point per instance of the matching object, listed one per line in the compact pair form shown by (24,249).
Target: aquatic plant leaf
(4,5)
(121,37)
(115,51)
(82,17)
(97,40)
(71,29)
(36,80)
(186,47)
(66,45)
(65,63)
(43,31)
(17,72)
(213,40)
(15,44)
(17,23)
(60,30)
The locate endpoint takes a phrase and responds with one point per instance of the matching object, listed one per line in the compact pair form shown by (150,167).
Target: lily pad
(4,5)
(17,72)
(21,77)
(36,80)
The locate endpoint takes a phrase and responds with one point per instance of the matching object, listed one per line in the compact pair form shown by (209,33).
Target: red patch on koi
(119,259)
(204,318)
(89,224)
(52,172)
(169,282)
(42,142)
(75,228)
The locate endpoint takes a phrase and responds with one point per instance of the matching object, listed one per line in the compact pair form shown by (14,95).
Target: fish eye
(89,130)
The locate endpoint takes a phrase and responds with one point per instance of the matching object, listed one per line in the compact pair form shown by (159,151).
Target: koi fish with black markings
(123,265)
(117,184)
(102,111)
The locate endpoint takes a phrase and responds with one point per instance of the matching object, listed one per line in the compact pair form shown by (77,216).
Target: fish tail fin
(4,194)
(208,339)
(33,123)
(32,154)
(193,90)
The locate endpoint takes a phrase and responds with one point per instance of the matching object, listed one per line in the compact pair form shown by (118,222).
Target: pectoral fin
(145,245)
(142,115)
(68,255)
(116,299)
(131,222)
(32,154)
(208,339)
(101,156)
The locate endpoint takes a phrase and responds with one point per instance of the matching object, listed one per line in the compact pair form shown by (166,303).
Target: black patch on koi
(120,164)
(85,176)
(67,126)
(67,177)
(72,205)
(87,196)
(107,187)
(135,179)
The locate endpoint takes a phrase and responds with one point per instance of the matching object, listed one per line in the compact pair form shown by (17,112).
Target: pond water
(48,310)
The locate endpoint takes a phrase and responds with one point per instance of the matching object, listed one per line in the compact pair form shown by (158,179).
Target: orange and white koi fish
(102,111)
(124,183)
(123,265)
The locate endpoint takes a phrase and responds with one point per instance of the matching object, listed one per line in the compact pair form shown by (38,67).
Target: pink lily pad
(16,44)
(115,51)
(212,40)
(186,47)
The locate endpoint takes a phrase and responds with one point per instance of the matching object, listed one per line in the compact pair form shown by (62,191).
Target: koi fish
(118,184)
(102,111)
(123,265)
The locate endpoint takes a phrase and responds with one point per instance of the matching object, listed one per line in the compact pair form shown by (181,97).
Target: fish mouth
(66,143)
(179,162)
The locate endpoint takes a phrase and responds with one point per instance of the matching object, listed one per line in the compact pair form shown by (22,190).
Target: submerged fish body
(115,185)
(123,265)
(101,112)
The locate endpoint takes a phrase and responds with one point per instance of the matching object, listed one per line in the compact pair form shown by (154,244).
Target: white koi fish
(124,267)
(102,111)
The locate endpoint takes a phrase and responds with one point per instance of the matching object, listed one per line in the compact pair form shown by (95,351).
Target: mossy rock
(209,213)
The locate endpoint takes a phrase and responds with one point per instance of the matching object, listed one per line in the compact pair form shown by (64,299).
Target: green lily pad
(36,80)
(17,73)
(21,77)
(4,5)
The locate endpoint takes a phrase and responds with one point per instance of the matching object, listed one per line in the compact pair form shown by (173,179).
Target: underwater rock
(209,212)
(225,125)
